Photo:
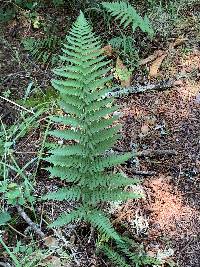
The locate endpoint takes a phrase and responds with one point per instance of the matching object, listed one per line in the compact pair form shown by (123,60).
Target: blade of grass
(10,253)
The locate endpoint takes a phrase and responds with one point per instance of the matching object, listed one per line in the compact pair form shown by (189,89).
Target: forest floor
(165,122)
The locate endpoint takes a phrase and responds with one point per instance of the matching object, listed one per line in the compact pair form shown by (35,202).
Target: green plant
(16,191)
(84,162)
(58,3)
(119,252)
(84,165)
(10,8)
(6,14)
(126,49)
(128,16)
(16,194)
(4,217)
(43,50)
(32,256)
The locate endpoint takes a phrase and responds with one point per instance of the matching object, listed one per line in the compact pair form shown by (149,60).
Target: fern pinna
(83,163)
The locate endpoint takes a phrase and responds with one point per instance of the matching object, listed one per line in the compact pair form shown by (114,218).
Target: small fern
(44,50)
(128,16)
(126,49)
(89,123)
(127,254)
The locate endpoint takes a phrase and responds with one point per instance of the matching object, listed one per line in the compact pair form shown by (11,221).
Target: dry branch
(152,153)
(145,173)
(118,91)
(149,152)
(33,225)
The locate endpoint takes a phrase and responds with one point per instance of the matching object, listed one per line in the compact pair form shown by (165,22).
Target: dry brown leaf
(51,242)
(53,261)
(144,130)
(178,83)
(107,50)
(152,57)
(154,68)
(177,42)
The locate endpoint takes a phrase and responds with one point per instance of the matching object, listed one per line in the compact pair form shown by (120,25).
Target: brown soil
(169,120)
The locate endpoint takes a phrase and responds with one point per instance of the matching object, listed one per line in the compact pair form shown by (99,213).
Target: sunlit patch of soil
(169,214)
(166,214)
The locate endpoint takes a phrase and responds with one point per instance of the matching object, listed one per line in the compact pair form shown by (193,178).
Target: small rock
(197,99)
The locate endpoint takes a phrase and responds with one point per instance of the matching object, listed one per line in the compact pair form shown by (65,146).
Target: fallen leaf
(107,50)
(154,68)
(122,73)
(51,242)
(151,58)
(144,130)
(53,261)
(177,42)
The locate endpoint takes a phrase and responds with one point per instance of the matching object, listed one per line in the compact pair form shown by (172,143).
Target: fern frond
(108,181)
(114,256)
(66,134)
(67,120)
(82,162)
(105,145)
(110,161)
(102,223)
(110,195)
(64,173)
(43,50)
(68,150)
(127,15)
(67,218)
(64,194)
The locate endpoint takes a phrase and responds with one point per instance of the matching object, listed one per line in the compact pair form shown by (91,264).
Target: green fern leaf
(82,161)
(128,15)
(67,218)
(114,256)
(99,220)
(64,194)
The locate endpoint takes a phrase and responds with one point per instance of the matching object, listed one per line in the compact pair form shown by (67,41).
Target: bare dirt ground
(168,120)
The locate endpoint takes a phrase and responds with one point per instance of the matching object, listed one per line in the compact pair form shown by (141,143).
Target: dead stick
(119,91)
(33,225)
(17,105)
(152,152)
(146,173)
(149,152)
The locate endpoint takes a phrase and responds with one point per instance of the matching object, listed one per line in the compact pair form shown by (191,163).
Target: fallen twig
(17,105)
(152,152)
(145,173)
(149,152)
(33,225)
(118,91)
(19,233)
